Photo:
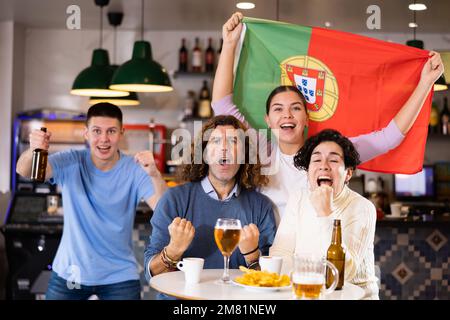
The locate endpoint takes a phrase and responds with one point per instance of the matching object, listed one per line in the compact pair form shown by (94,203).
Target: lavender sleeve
(225,106)
(377,143)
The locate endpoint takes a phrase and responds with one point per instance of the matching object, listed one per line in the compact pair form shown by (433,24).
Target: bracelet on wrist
(168,262)
(250,252)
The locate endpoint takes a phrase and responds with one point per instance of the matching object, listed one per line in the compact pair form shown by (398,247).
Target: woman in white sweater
(329,159)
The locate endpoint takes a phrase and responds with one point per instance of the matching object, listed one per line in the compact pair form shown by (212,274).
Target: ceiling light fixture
(245,5)
(115,19)
(417,6)
(141,73)
(95,79)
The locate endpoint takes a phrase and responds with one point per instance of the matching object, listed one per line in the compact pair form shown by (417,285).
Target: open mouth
(324,180)
(288,126)
(104,149)
(224,161)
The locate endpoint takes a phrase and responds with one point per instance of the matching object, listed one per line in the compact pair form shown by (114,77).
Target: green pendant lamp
(130,100)
(141,73)
(440,84)
(115,19)
(95,80)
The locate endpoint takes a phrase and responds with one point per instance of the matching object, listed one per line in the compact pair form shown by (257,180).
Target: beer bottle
(209,57)
(204,103)
(336,255)
(445,119)
(197,57)
(183,57)
(39,163)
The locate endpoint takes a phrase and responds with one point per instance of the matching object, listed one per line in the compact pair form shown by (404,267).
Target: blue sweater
(190,201)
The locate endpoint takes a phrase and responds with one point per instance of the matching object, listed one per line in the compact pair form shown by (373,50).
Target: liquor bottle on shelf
(434,119)
(336,255)
(39,163)
(197,57)
(209,57)
(204,103)
(183,57)
(445,119)
(190,108)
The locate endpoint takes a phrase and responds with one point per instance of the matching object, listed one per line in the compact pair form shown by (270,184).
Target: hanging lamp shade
(141,73)
(440,84)
(95,79)
(415,43)
(130,100)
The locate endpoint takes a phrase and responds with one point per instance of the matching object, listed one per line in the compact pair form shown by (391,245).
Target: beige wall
(6,88)
(45,62)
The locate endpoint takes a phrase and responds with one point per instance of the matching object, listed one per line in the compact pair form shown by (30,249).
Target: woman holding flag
(287,116)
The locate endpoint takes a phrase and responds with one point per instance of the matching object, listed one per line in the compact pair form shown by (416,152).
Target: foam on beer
(228,227)
(308,278)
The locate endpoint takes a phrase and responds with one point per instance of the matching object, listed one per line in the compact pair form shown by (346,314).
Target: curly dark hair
(249,175)
(303,156)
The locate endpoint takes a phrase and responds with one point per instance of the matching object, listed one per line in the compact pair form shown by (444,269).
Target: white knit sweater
(301,230)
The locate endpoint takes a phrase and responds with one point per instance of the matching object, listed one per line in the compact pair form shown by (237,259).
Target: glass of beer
(227,233)
(308,276)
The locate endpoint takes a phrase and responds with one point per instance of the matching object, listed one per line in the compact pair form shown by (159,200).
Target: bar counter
(413,257)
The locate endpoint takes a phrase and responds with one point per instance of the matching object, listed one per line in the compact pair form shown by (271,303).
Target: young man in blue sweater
(101,188)
(220,187)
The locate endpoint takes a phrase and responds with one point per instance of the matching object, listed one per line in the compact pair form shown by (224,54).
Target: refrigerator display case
(34,220)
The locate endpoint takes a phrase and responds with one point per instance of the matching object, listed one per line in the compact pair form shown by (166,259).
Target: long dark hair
(280,89)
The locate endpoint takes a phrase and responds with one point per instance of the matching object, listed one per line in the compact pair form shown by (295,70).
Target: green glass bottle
(336,255)
(39,163)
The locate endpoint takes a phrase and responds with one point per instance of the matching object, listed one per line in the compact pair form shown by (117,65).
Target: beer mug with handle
(308,276)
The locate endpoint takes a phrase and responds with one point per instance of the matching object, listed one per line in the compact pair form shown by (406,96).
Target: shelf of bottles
(198,107)
(197,62)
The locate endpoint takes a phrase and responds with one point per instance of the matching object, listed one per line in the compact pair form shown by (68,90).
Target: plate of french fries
(261,280)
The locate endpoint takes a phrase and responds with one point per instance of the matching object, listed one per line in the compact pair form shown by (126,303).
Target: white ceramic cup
(192,268)
(271,263)
(396,209)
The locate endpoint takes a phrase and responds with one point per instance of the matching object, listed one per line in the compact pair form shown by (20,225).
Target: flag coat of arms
(351,83)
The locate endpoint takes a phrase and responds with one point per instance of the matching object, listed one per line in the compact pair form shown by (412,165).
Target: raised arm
(223,80)
(147,162)
(377,143)
(222,95)
(38,140)
(431,71)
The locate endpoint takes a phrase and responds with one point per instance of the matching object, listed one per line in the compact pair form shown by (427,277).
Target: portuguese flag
(353,84)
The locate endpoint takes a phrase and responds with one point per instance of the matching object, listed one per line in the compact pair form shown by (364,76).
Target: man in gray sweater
(220,187)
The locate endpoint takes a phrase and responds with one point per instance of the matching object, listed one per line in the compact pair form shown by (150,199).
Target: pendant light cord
(142,20)
(101,26)
(415,24)
(114,45)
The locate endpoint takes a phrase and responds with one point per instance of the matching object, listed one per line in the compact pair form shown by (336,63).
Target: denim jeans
(58,290)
